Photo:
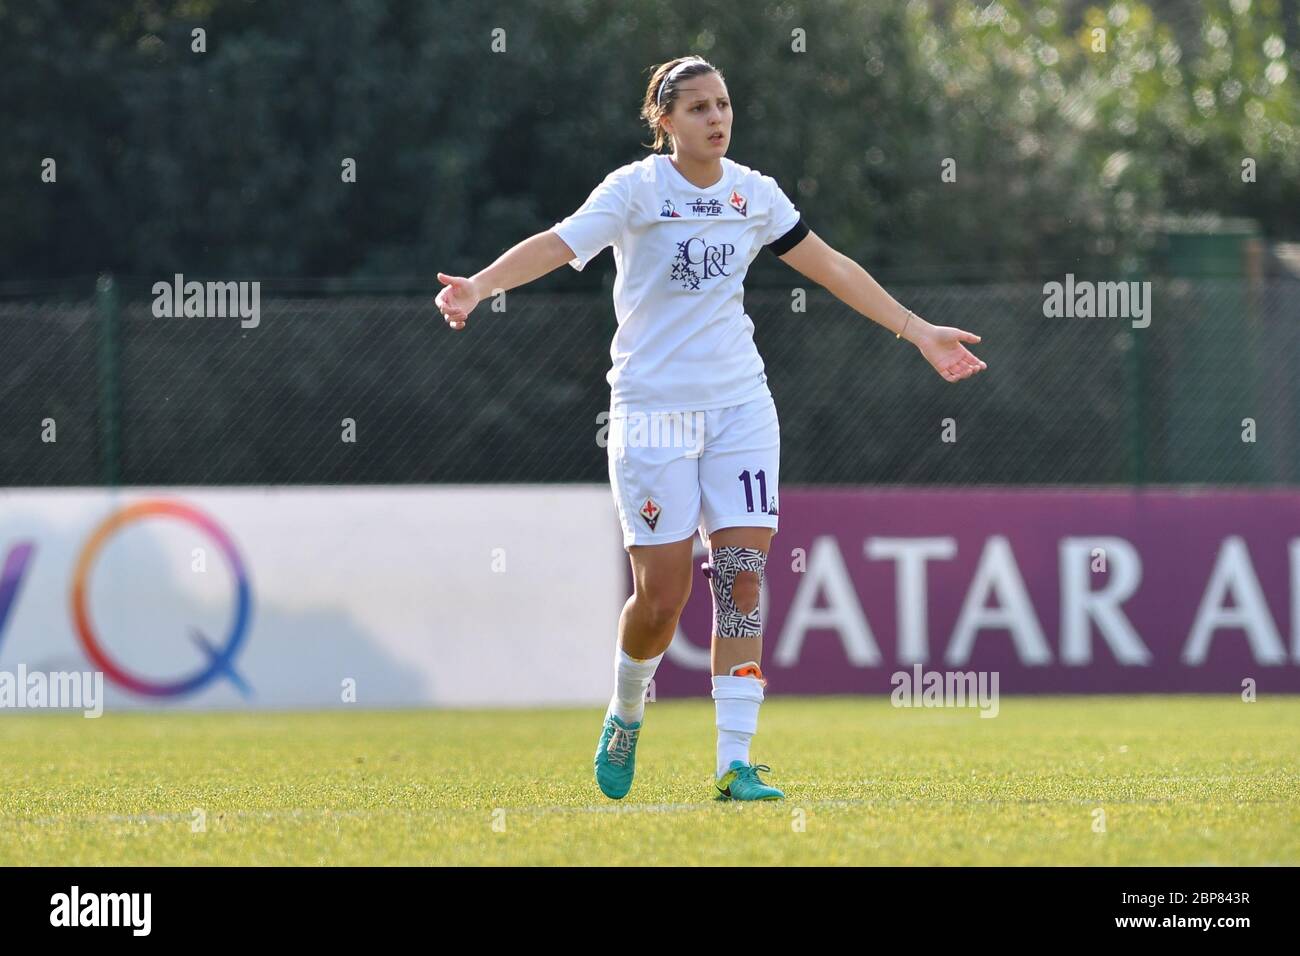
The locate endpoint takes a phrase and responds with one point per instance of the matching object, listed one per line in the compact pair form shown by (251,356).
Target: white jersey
(683,341)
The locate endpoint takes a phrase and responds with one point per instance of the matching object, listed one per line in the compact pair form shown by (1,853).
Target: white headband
(659,97)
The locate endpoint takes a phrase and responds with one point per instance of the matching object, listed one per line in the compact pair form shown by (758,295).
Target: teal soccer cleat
(616,757)
(741,782)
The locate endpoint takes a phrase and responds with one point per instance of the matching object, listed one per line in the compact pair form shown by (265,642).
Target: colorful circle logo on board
(220,657)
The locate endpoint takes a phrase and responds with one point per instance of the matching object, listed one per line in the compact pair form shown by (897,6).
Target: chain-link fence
(100,391)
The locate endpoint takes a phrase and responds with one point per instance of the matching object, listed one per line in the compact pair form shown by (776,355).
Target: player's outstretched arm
(531,259)
(943,347)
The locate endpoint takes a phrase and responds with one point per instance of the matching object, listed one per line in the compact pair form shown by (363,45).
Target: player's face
(701,117)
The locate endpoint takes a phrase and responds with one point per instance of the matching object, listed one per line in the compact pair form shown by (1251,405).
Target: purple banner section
(1059,591)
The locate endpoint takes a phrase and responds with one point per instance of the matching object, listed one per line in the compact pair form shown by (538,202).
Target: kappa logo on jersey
(651,512)
(697,260)
(739,203)
(771,506)
(667,211)
(710,208)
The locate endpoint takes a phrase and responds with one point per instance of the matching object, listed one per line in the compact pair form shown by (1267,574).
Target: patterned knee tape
(726,563)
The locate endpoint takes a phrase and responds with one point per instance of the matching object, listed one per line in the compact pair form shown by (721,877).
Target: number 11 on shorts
(749,490)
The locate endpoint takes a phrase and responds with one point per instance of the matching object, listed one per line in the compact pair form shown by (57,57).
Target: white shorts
(675,472)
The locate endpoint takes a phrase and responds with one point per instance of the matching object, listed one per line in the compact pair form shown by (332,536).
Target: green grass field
(1181,780)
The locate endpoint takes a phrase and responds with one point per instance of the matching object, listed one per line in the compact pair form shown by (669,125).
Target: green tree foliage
(229,161)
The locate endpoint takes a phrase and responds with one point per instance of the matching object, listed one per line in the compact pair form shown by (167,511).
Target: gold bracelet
(899,333)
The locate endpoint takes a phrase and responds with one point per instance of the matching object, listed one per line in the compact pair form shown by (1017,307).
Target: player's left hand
(943,348)
(456,299)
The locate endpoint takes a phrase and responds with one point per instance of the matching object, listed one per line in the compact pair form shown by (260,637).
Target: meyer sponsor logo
(709,208)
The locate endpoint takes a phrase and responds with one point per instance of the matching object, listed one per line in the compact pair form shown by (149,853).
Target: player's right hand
(456,300)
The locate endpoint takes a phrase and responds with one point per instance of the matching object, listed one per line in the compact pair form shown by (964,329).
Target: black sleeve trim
(791,239)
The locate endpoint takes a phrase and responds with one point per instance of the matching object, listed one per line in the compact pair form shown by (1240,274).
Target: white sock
(737,700)
(631,678)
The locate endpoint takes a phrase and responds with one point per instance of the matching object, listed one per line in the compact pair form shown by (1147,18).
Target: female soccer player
(684,229)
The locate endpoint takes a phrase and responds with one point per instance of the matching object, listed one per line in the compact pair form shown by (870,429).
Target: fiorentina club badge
(739,204)
(651,512)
